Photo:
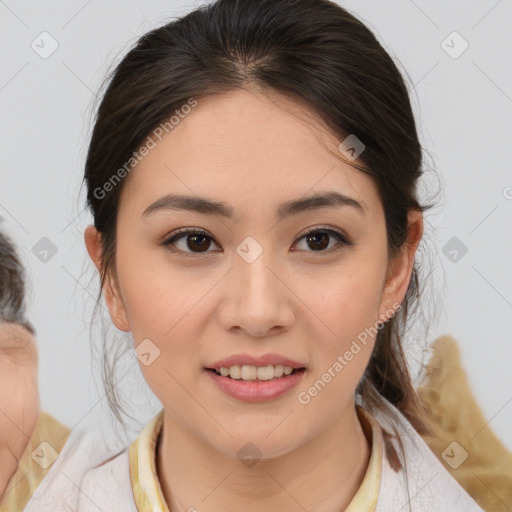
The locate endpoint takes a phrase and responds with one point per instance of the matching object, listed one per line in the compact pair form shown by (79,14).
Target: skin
(19,397)
(254,151)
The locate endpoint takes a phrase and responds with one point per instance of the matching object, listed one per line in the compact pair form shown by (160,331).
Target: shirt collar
(148,493)
(368,493)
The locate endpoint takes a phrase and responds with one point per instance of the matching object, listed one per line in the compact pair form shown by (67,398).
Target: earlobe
(115,304)
(110,289)
(400,268)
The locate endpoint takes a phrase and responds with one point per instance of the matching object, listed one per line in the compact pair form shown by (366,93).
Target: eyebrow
(293,207)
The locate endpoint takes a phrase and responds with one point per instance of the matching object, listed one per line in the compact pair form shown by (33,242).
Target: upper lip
(247,359)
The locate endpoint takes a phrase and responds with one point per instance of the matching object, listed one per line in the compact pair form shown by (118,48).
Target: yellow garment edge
(148,494)
(32,465)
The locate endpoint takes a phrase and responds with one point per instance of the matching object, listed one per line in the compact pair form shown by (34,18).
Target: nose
(258,300)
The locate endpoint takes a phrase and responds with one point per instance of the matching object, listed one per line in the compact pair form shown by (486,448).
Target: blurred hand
(19,397)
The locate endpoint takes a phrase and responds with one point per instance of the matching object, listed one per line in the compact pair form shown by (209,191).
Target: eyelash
(180,233)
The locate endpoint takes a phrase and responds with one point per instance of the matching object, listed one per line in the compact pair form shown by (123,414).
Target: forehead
(243,144)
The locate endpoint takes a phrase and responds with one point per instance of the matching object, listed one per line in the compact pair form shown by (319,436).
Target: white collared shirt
(84,480)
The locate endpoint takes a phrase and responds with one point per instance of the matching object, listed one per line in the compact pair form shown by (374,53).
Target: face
(254,283)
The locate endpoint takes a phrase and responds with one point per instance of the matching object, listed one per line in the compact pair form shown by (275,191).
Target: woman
(252,176)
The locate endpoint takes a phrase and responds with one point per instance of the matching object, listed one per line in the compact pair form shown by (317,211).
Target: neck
(322,475)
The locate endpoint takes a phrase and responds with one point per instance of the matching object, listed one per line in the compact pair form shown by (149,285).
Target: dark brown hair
(311,50)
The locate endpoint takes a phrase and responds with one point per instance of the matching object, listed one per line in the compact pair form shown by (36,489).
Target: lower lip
(256,390)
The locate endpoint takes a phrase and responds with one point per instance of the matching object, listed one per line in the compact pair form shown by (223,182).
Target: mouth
(248,374)
(252,384)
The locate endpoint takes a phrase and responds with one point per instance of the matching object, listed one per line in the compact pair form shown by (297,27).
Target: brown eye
(195,241)
(318,239)
(199,242)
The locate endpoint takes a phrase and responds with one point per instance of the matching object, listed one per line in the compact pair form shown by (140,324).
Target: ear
(111,292)
(400,268)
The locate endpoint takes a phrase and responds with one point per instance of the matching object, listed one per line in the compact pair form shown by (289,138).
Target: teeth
(247,372)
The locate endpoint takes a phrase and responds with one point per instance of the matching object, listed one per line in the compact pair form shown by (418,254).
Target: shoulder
(127,482)
(422,483)
(108,486)
(88,476)
(61,488)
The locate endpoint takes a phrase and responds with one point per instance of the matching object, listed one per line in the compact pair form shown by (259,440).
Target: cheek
(154,295)
(346,304)
(348,307)
(162,305)
(346,300)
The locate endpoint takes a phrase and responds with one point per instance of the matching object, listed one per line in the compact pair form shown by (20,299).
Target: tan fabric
(148,493)
(45,444)
(486,472)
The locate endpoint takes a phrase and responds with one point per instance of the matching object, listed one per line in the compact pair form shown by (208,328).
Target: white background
(464,113)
